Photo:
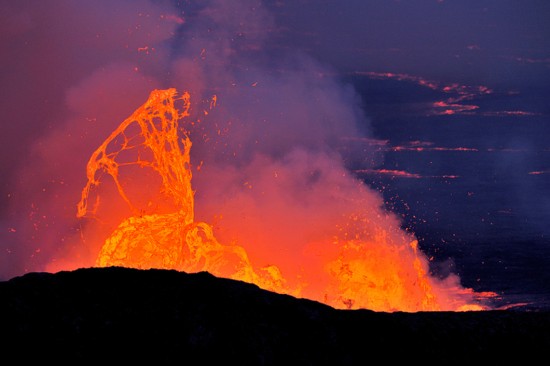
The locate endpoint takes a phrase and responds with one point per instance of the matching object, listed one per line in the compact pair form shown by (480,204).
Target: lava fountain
(360,268)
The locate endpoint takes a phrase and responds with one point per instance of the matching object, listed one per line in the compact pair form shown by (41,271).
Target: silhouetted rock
(163,316)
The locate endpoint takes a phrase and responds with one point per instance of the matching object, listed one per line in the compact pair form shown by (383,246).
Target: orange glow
(390,172)
(457,93)
(402,174)
(162,240)
(369,263)
(511,113)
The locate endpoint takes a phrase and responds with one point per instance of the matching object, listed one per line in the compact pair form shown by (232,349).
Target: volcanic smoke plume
(354,260)
(271,192)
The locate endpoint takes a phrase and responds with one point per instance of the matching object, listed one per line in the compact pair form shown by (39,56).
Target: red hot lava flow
(366,265)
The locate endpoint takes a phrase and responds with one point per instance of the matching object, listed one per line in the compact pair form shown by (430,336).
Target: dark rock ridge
(169,317)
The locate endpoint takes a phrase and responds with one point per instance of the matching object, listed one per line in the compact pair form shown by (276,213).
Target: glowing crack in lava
(357,271)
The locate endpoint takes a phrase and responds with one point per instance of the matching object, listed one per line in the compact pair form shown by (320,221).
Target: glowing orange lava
(362,268)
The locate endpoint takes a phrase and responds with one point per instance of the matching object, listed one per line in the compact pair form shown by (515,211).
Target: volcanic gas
(362,259)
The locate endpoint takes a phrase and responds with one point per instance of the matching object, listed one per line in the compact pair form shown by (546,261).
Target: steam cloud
(272,172)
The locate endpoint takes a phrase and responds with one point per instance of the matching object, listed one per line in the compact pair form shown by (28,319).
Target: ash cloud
(272,172)
(71,71)
(86,67)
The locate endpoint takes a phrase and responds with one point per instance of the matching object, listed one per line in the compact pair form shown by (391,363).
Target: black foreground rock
(167,317)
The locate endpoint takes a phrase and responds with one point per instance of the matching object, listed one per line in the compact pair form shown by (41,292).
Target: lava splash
(364,267)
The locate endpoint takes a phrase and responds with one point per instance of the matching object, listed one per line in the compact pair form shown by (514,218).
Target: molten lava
(362,268)
(162,240)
